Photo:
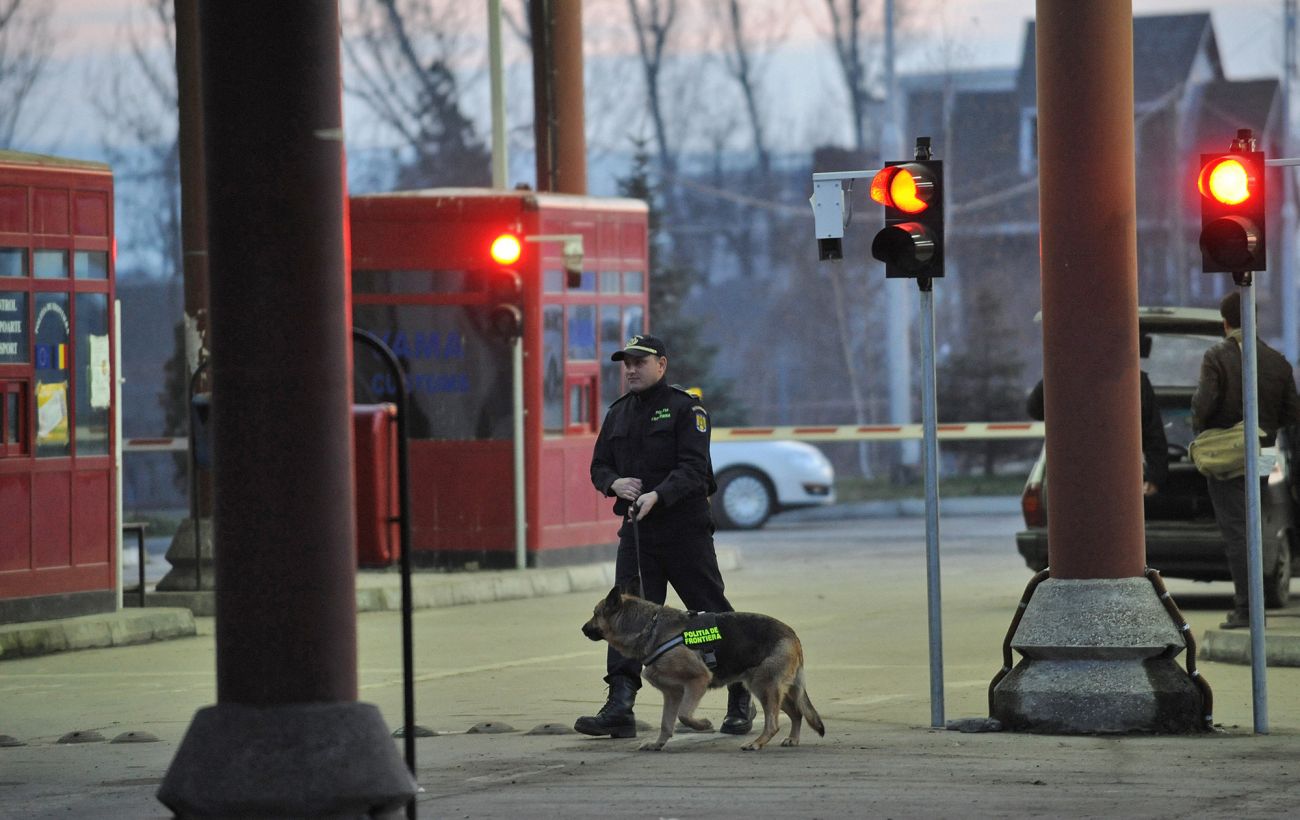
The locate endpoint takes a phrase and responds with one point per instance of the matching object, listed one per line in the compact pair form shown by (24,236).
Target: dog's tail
(810,714)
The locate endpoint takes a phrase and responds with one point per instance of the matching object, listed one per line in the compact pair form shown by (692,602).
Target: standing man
(652,454)
(1218,403)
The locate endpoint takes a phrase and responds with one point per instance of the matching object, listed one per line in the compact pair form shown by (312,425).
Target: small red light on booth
(1225,180)
(506,249)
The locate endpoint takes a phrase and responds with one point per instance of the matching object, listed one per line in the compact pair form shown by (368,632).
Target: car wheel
(1277,584)
(744,501)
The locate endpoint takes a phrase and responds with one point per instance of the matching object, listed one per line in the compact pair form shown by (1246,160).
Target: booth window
(633,281)
(12,441)
(609,281)
(553,281)
(53,365)
(457,369)
(586,283)
(581,392)
(90,264)
(611,339)
(395,282)
(553,368)
(633,321)
(582,332)
(50,264)
(92,383)
(13,263)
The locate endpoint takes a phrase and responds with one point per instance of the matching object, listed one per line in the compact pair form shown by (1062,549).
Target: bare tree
(652,23)
(26,42)
(743,59)
(136,101)
(403,55)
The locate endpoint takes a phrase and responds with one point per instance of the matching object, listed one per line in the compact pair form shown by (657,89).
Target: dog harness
(701,635)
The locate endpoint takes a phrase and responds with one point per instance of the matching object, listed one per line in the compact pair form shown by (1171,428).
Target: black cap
(640,346)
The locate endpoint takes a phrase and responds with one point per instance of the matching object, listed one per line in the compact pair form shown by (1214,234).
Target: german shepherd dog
(757,650)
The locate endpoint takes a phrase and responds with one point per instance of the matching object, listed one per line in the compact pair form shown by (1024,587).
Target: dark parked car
(1183,540)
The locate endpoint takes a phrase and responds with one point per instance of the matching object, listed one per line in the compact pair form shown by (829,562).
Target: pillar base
(292,760)
(182,556)
(1099,656)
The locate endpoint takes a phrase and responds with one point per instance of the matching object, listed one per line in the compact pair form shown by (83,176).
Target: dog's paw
(651,746)
(696,724)
(750,747)
(789,741)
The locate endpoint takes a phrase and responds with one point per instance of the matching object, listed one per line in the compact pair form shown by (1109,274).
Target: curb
(382,592)
(376,592)
(94,631)
(1233,646)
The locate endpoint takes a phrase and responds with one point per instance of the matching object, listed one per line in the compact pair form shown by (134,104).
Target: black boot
(615,718)
(740,711)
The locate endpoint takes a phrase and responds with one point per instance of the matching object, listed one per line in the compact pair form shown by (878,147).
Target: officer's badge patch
(701,422)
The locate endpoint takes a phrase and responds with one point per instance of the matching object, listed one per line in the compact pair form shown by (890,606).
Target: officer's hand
(626,488)
(646,503)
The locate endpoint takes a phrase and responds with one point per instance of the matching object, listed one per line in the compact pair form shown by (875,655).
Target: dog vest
(700,634)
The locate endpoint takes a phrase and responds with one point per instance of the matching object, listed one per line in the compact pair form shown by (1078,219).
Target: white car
(759,478)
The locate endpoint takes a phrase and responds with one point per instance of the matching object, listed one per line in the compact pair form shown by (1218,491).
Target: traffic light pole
(930,466)
(1254,537)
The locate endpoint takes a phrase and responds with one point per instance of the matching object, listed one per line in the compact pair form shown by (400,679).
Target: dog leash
(636,541)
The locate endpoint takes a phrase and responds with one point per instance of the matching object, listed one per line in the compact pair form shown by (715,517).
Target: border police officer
(652,455)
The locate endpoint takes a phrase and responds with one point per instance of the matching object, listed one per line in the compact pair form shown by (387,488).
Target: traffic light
(911,244)
(506,318)
(1233,209)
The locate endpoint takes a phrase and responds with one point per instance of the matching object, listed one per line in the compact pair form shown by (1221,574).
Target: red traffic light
(506,249)
(1226,180)
(908,187)
(1233,211)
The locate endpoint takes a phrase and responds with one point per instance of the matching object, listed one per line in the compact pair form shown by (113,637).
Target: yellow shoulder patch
(701,421)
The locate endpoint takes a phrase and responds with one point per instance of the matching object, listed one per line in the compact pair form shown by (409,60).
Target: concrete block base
(191,568)
(292,760)
(1099,656)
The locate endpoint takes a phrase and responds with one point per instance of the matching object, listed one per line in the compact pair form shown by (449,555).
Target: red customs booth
(424,281)
(57,491)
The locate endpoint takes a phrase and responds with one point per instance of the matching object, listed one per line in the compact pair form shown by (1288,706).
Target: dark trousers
(681,556)
(1229,500)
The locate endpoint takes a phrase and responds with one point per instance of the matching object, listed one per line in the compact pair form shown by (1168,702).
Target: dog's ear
(614,598)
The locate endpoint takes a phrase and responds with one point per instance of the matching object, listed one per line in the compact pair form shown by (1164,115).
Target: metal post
(404,538)
(117,440)
(500,160)
(930,461)
(1254,539)
(517,404)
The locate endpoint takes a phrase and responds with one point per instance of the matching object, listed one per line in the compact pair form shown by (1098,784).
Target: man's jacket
(661,436)
(1217,402)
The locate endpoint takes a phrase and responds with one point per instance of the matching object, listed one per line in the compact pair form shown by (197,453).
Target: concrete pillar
(287,737)
(1098,648)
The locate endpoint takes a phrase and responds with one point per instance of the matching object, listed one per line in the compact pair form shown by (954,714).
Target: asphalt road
(855,593)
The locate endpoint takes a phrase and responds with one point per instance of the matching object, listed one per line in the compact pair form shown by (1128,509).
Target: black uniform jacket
(661,436)
(1217,402)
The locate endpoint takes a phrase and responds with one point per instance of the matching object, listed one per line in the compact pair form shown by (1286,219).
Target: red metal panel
(634,240)
(51,513)
(50,211)
(15,521)
(92,539)
(375,464)
(91,213)
(460,496)
(13,209)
